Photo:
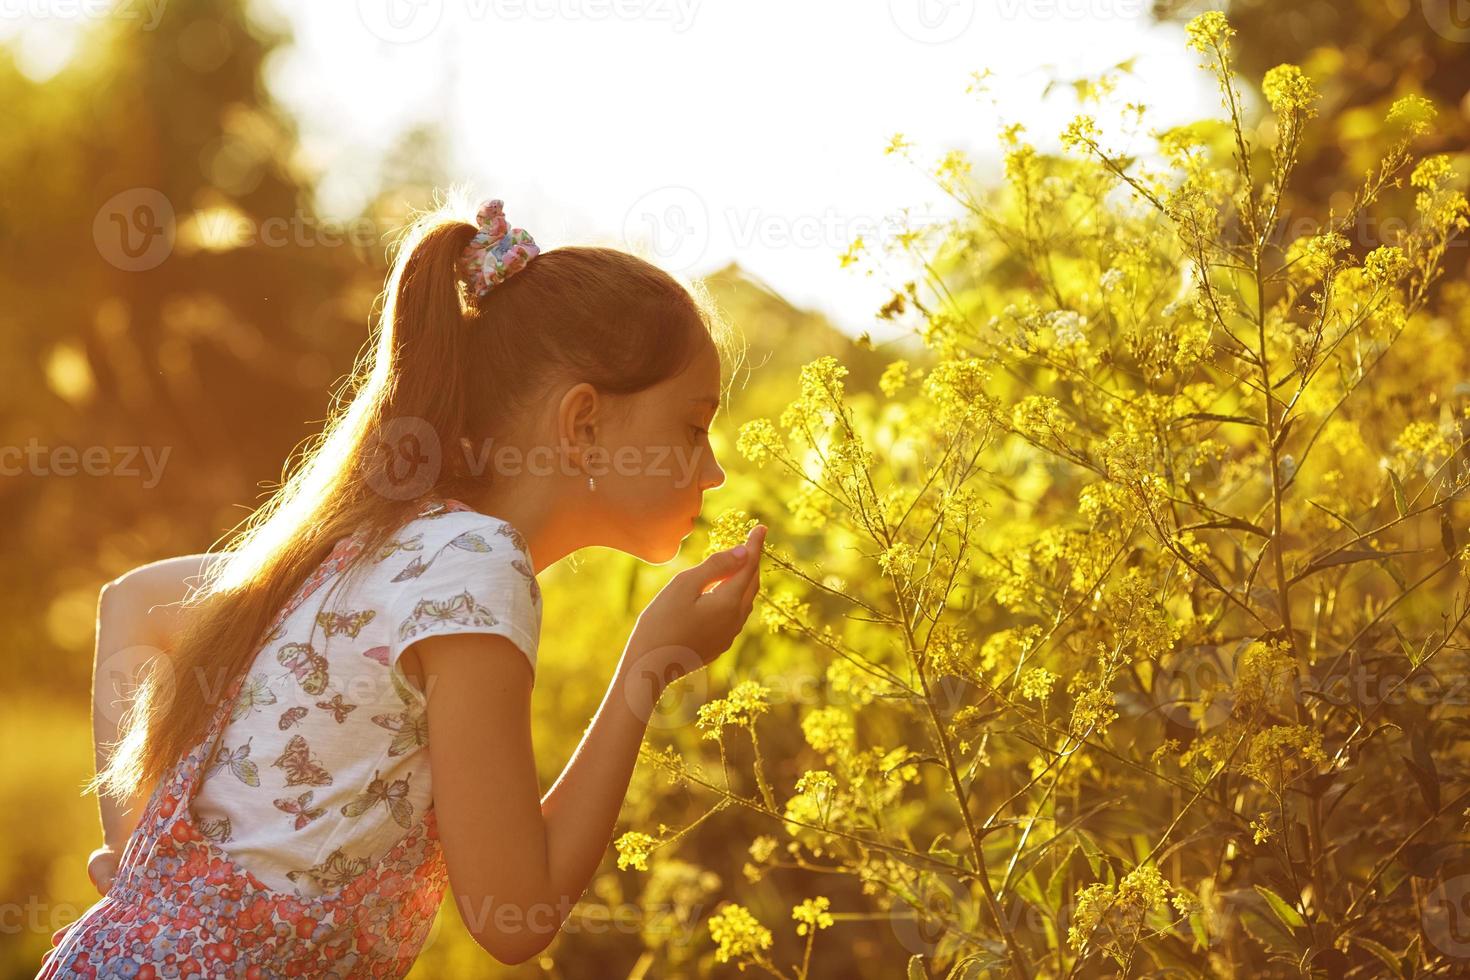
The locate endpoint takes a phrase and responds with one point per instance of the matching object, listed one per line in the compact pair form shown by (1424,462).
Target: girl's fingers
(739,582)
(714,569)
(748,596)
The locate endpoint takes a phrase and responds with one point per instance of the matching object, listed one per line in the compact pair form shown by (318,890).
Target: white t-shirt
(324,763)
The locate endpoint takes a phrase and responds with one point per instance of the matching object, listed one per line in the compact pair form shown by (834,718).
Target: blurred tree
(177,310)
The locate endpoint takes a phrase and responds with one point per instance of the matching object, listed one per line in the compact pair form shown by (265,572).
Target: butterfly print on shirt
(238,761)
(414,543)
(336,871)
(393,794)
(255,693)
(306,665)
(465,541)
(532,585)
(291,716)
(301,808)
(410,727)
(517,540)
(301,769)
(216,830)
(351,623)
(461,609)
(340,709)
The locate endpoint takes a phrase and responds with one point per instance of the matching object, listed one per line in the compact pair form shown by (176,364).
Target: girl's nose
(714,478)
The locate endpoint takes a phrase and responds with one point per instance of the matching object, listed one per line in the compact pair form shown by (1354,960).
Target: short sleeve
(467,575)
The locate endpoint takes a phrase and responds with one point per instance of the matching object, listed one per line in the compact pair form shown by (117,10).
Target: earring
(591,483)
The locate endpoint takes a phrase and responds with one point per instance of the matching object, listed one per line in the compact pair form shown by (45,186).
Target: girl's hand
(699,613)
(102,867)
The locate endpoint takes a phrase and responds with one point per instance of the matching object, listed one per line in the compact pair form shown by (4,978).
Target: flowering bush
(1137,587)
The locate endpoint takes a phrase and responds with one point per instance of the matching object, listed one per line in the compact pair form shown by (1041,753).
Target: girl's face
(654,461)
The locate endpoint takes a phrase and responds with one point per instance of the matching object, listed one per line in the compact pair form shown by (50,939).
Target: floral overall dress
(179,907)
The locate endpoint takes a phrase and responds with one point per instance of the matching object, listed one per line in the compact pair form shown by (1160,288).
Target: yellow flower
(1261,828)
(1283,752)
(1091,905)
(1263,670)
(1039,416)
(1432,171)
(897,144)
(1386,265)
(1289,91)
(816,782)
(1036,684)
(951,168)
(1413,112)
(822,379)
(1317,255)
(1208,31)
(729,529)
(633,849)
(812,914)
(738,934)
(745,703)
(785,612)
(898,560)
(958,388)
(895,378)
(1080,132)
(1143,888)
(828,729)
(758,440)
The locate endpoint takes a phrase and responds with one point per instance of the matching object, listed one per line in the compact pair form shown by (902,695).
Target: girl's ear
(578,417)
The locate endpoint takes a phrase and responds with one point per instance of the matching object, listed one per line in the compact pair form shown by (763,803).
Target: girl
(269,809)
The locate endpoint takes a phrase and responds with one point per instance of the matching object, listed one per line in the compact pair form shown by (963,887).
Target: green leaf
(1057,882)
(1283,911)
(1197,926)
(916,967)
(1428,781)
(1267,931)
(1400,500)
(1384,954)
(976,965)
(1092,852)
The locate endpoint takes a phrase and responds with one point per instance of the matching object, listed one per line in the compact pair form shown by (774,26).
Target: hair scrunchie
(497,251)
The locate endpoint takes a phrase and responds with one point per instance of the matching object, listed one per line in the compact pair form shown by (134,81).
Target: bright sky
(700,131)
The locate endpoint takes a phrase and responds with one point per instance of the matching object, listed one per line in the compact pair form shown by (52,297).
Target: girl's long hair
(438,366)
